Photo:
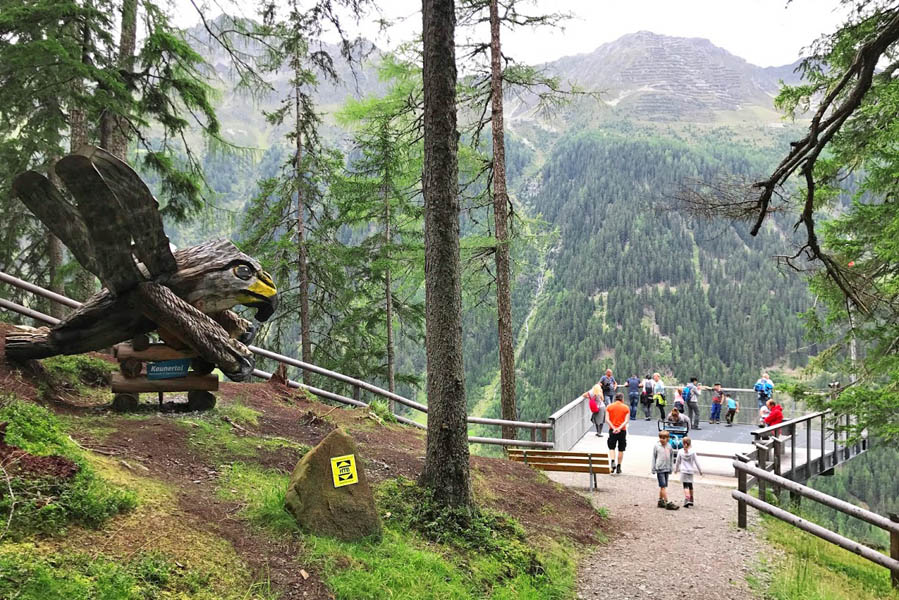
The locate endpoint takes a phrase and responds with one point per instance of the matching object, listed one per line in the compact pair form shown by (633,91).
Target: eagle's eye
(243,272)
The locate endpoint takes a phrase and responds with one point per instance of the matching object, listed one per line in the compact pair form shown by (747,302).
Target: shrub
(382,409)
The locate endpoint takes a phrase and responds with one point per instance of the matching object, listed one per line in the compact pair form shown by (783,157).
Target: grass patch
(262,492)
(79,370)
(240,413)
(31,575)
(814,569)
(216,437)
(425,553)
(47,505)
(428,553)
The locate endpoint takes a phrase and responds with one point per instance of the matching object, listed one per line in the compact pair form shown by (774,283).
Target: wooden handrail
(820,497)
(794,421)
(825,534)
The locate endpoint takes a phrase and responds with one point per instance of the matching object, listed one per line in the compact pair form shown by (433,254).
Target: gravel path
(696,553)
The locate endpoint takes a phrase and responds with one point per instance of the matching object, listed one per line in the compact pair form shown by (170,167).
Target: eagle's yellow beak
(261,295)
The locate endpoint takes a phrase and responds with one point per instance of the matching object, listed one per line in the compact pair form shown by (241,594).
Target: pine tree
(446,469)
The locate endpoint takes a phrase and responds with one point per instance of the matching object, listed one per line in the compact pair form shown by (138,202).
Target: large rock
(321,507)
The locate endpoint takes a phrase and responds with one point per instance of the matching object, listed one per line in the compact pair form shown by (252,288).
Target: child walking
(687,464)
(661,466)
(732,409)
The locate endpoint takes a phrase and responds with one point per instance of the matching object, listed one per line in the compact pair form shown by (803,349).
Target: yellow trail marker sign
(343,469)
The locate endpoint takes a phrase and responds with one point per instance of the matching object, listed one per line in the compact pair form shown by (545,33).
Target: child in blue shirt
(732,409)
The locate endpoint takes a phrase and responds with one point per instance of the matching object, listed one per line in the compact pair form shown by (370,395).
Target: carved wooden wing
(114,207)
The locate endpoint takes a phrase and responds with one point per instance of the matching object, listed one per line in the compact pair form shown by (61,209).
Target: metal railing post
(822,466)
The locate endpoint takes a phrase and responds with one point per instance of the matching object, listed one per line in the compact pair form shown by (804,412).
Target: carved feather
(141,211)
(104,217)
(49,205)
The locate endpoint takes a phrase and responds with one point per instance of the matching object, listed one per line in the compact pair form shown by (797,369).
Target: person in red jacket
(775,416)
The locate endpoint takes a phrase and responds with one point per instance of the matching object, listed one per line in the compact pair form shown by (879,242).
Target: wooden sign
(168,369)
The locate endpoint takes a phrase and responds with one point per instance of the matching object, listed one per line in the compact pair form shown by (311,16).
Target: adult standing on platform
(764,390)
(617,417)
(633,394)
(609,386)
(597,407)
(691,399)
(658,394)
(646,397)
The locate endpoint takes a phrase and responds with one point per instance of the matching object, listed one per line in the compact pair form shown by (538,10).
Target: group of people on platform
(607,407)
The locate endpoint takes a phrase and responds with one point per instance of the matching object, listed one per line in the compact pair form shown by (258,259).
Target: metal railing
(357,384)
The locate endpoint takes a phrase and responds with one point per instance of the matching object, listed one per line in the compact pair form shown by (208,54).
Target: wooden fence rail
(357,384)
(760,475)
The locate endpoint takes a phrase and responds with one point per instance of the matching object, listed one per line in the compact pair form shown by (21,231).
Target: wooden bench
(568,462)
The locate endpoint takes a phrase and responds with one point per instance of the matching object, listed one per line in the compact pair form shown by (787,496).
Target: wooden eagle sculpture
(115,231)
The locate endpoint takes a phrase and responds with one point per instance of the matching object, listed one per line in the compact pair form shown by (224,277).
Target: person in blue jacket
(764,389)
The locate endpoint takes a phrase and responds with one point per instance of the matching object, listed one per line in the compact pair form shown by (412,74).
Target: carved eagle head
(215,276)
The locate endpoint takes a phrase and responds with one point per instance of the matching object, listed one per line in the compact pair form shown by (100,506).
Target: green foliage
(852,209)
(382,409)
(813,569)
(403,565)
(239,413)
(46,505)
(425,553)
(429,553)
(31,575)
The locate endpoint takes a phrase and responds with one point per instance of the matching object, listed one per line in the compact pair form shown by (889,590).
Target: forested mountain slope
(635,286)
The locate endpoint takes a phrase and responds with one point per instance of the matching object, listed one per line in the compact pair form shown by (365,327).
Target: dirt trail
(696,553)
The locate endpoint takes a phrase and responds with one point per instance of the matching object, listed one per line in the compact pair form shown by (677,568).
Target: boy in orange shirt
(618,414)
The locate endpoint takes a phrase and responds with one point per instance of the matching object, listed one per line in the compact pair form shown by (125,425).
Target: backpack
(594,407)
(686,393)
(606,383)
(647,389)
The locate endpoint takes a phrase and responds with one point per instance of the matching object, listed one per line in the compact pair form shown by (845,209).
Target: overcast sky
(764,32)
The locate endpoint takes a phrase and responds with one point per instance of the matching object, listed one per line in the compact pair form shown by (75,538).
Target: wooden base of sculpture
(131,381)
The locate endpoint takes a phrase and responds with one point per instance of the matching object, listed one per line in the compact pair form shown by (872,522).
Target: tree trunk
(114,127)
(446,469)
(305,342)
(388,293)
(85,281)
(54,259)
(501,218)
